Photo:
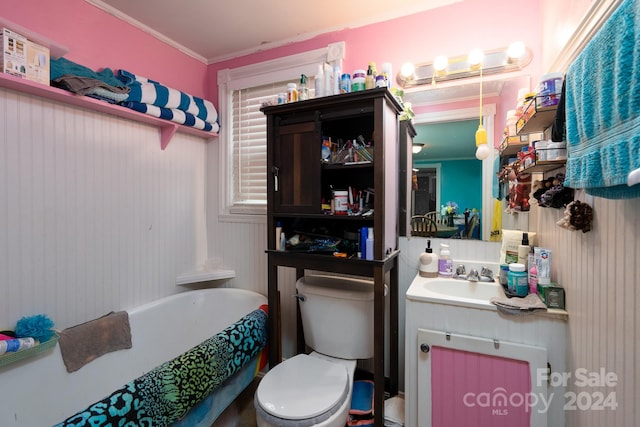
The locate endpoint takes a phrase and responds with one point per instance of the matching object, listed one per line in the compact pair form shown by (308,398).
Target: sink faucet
(486,274)
(461,272)
(473,276)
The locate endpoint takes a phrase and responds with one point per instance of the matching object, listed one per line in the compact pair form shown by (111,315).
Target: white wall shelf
(167,128)
(204,275)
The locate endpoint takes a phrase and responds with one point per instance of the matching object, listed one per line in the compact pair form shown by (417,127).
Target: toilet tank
(337,315)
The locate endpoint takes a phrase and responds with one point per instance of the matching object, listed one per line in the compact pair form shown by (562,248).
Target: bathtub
(40,392)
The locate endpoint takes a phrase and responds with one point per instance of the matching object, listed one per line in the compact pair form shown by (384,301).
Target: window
(242,91)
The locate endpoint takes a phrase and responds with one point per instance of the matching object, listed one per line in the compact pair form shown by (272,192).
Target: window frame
(263,73)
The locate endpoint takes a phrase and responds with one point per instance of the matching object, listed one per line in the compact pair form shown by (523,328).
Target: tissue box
(552,295)
(38,63)
(14,53)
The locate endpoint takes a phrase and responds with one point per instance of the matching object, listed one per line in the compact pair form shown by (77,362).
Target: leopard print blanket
(166,393)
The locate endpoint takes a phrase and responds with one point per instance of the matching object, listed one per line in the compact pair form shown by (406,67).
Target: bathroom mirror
(446,168)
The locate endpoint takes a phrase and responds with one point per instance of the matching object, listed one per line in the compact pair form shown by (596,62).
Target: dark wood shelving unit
(298,183)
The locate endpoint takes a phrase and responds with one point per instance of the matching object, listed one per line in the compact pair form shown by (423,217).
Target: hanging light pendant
(482,148)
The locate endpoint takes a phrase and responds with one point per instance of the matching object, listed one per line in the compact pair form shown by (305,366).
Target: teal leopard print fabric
(166,393)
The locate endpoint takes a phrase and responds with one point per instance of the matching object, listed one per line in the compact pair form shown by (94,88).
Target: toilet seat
(302,388)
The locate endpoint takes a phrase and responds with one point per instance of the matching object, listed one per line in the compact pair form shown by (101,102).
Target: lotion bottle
(445,263)
(428,262)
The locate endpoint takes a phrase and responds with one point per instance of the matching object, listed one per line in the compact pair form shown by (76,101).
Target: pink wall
(452,30)
(97,40)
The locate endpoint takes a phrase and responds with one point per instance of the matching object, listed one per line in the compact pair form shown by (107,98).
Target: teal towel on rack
(603,108)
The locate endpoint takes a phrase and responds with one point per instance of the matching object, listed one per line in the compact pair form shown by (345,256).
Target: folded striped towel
(174,115)
(148,91)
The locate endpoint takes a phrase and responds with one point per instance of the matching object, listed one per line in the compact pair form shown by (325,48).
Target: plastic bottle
(533,279)
(303,90)
(358,81)
(386,72)
(318,82)
(283,241)
(345,83)
(369,245)
(369,80)
(337,78)
(523,250)
(428,262)
(292,92)
(518,280)
(445,263)
(278,234)
(364,233)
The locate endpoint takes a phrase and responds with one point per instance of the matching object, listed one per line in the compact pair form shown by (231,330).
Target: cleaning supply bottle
(445,263)
(428,262)
(369,244)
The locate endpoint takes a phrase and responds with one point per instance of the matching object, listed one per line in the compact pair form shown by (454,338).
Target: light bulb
(516,50)
(407,70)
(475,57)
(440,63)
(482,152)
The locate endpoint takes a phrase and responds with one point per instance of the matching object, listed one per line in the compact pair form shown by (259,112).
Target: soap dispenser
(445,263)
(428,262)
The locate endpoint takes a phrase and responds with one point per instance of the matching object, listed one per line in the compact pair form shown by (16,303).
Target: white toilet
(315,389)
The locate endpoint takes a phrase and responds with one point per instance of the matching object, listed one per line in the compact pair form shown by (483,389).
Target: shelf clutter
(27,65)
(527,148)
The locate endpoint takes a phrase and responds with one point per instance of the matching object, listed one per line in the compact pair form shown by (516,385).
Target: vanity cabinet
(299,190)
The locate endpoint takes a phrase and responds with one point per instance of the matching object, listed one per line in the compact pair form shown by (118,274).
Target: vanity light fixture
(509,59)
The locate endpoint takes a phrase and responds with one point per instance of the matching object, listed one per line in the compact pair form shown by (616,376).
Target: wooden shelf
(538,118)
(543,166)
(167,128)
(508,148)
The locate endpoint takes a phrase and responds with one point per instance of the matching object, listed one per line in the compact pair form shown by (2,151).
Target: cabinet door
(296,168)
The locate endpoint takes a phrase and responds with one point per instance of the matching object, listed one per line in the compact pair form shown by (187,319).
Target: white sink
(455,292)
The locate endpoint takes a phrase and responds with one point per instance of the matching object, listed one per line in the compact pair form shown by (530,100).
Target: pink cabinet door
(477,382)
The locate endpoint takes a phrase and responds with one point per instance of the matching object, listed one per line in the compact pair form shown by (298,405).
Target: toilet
(315,389)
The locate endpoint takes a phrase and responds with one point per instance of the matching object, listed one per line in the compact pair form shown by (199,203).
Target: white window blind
(250,142)
(242,91)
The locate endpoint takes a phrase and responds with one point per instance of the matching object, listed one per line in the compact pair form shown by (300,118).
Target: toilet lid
(302,387)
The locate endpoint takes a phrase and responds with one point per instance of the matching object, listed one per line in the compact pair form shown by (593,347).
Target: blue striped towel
(151,92)
(603,108)
(175,115)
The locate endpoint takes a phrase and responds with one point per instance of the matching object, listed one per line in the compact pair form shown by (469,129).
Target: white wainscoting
(94,216)
(600,271)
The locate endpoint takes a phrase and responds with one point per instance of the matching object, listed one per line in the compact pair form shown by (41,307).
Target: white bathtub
(40,392)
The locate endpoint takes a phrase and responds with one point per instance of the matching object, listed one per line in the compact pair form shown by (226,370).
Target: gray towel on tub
(83,343)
